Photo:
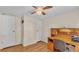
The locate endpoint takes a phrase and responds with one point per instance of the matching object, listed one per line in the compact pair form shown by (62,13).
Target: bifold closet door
(7,31)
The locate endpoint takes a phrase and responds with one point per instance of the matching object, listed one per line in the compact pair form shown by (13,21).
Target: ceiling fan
(40,9)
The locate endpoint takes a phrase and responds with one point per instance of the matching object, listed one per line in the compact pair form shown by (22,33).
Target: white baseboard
(45,41)
(29,43)
(1,48)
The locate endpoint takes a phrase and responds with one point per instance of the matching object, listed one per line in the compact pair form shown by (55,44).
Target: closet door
(29,31)
(39,30)
(8,31)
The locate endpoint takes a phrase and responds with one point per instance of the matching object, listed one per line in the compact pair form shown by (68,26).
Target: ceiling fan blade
(47,7)
(34,7)
(43,13)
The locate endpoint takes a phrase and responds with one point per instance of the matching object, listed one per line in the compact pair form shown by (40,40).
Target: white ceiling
(26,10)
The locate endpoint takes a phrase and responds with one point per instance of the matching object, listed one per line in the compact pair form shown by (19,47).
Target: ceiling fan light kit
(40,10)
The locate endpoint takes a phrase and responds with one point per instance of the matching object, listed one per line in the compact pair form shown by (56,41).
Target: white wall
(31,26)
(69,20)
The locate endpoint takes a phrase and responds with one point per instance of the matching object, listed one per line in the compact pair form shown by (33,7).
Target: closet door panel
(7,31)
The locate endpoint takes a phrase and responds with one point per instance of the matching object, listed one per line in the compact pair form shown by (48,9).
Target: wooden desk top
(65,38)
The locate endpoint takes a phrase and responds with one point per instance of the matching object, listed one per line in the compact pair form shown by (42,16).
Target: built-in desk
(63,34)
(63,38)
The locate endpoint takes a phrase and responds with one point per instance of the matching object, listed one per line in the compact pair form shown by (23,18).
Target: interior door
(8,30)
(39,30)
(29,31)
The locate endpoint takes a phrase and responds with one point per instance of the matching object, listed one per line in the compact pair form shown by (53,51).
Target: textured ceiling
(26,10)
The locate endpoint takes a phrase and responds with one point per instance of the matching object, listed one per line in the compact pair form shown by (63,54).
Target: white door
(39,30)
(29,31)
(8,30)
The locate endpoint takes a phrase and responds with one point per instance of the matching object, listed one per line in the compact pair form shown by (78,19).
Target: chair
(62,46)
(59,45)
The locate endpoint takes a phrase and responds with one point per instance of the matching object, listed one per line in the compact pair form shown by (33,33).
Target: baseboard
(9,46)
(29,43)
(1,48)
(40,41)
(45,41)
